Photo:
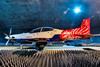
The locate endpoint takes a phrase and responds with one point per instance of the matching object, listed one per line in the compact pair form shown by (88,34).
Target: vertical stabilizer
(85,26)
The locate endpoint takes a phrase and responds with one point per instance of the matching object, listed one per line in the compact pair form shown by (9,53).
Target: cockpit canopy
(41,29)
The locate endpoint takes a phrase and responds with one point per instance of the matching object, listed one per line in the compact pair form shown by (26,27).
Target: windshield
(36,30)
(41,29)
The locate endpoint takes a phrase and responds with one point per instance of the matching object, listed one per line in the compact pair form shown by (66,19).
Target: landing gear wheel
(40,45)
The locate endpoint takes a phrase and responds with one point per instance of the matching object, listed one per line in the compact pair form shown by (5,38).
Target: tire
(40,45)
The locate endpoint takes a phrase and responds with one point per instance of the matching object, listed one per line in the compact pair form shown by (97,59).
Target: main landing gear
(40,45)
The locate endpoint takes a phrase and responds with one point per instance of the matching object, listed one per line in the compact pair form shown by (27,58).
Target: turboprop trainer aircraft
(42,35)
(39,35)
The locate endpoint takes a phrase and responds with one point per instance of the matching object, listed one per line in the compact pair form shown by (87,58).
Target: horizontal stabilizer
(95,34)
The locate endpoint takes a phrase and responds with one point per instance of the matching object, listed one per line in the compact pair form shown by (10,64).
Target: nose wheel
(40,45)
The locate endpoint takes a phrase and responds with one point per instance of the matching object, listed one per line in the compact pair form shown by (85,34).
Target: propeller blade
(10,31)
(7,42)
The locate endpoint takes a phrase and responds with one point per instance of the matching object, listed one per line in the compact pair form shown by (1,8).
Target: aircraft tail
(85,27)
(82,31)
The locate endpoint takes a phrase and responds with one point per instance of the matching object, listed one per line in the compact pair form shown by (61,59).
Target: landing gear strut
(40,45)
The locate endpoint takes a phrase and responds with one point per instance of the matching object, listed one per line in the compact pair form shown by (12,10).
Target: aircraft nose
(6,37)
(11,37)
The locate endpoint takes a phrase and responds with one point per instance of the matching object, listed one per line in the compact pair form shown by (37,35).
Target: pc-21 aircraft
(42,35)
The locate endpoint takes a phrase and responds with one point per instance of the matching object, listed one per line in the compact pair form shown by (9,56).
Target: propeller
(9,36)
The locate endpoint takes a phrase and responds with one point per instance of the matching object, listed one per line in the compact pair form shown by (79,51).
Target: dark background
(25,15)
